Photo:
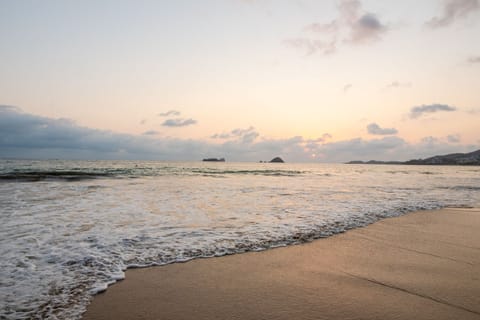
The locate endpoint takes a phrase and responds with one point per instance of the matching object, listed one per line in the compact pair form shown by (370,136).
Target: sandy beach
(423,265)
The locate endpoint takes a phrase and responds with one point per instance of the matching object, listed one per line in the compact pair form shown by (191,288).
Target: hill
(465,159)
(472,158)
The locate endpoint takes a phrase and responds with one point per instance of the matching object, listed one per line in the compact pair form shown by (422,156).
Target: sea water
(68,229)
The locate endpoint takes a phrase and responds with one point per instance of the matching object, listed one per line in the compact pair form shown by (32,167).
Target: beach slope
(423,265)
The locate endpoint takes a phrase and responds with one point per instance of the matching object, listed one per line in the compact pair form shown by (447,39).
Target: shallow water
(70,228)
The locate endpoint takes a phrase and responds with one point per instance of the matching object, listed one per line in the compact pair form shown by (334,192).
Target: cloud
(241,132)
(362,27)
(397,84)
(151,133)
(178,122)
(346,87)
(24,135)
(349,10)
(375,129)
(352,26)
(6,109)
(250,136)
(311,46)
(313,146)
(389,148)
(418,111)
(246,135)
(473,111)
(474,59)
(331,27)
(221,136)
(453,138)
(169,113)
(452,11)
(385,148)
(326,136)
(367,28)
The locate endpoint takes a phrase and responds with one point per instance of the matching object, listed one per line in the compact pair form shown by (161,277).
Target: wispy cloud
(330,27)
(473,111)
(474,59)
(322,139)
(151,133)
(311,46)
(397,84)
(247,135)
(178,122)
(452,11)
(418,111)
(174,113)
(375,129)
(352,26)
(347,87)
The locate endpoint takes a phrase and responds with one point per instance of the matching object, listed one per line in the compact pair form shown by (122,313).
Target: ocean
(68,229)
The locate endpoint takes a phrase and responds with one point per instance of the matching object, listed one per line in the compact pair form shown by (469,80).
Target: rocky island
(274,160)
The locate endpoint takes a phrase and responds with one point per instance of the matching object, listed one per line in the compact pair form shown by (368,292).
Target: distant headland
(464,159)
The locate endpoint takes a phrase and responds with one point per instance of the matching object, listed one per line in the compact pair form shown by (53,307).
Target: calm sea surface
(68,229)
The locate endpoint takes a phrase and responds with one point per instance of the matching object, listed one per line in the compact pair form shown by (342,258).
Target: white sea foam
(69,229)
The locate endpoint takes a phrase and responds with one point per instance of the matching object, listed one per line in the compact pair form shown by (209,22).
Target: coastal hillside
(471,159)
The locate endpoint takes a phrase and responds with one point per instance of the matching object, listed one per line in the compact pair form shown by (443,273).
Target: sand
(424,265)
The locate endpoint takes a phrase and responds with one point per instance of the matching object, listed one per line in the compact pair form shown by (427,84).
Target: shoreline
(421,265)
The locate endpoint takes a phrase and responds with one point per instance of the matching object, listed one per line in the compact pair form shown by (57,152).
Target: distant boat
(214,159)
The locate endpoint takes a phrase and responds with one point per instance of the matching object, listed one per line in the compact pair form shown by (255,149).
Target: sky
(248,80)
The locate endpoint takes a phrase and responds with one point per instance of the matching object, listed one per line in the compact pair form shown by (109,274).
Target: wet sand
(424,265)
